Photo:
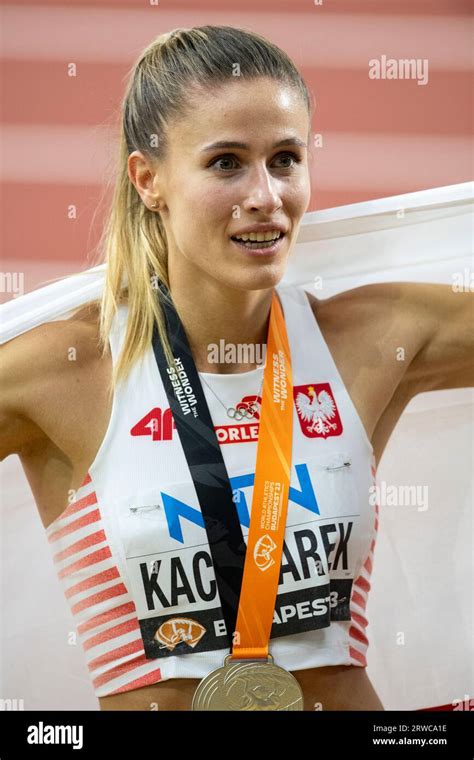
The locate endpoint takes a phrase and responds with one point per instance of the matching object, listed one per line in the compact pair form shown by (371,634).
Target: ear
(143,174)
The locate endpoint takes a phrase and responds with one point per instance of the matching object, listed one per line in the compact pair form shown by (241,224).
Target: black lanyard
(202,451)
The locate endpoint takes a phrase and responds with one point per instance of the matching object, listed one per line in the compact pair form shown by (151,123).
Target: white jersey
(132,553)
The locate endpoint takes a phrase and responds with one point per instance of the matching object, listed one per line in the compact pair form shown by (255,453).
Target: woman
(215,146)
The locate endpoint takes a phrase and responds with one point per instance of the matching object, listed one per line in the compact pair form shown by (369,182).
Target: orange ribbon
(270,497)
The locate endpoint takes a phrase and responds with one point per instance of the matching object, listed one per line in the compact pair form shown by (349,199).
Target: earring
(155,204)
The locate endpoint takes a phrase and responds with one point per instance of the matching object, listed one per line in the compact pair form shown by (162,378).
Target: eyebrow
(244,146)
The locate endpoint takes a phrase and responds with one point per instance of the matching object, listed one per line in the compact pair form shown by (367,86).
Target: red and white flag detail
(317,410)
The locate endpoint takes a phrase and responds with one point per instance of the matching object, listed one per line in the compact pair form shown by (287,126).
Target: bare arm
(17,430)
(445,320)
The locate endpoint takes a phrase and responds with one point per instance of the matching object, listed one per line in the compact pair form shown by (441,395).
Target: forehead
(260,110)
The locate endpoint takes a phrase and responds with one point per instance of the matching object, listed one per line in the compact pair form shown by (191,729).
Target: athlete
(213,183)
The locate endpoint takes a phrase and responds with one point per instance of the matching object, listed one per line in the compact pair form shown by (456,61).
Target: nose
(263,193)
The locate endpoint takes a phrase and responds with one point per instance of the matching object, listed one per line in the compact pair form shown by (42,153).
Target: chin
(268,277)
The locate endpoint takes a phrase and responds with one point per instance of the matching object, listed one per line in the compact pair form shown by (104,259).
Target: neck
(214,315)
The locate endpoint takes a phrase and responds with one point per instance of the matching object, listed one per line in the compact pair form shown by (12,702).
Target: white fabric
(421,604)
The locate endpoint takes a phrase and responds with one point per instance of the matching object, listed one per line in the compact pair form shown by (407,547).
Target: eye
(231,157)
(222,158)
(294,156)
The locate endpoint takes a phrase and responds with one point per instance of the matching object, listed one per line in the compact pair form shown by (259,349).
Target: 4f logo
(317,410)
(157,423)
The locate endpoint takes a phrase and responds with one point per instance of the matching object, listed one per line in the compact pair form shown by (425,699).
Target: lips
(262,228)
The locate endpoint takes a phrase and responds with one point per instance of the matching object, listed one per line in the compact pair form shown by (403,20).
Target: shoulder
(362,302)
(34,368)
(43,348)
(378,304)
(375,324)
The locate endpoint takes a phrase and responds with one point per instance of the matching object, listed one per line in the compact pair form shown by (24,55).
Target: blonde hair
(133,242)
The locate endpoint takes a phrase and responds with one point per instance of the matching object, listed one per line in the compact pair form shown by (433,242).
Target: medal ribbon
(270,497)
(246,577)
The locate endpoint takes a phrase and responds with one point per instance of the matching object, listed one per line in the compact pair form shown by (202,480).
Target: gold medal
(248,685)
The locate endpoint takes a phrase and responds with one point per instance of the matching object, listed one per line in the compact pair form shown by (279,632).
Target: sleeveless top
(131,550)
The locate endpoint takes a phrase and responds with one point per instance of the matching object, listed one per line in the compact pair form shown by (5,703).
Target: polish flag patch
(317,410)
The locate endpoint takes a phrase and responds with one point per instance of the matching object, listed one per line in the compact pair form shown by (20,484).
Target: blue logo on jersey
(175,510)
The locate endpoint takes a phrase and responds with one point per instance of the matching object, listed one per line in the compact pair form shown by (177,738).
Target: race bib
(169,566)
